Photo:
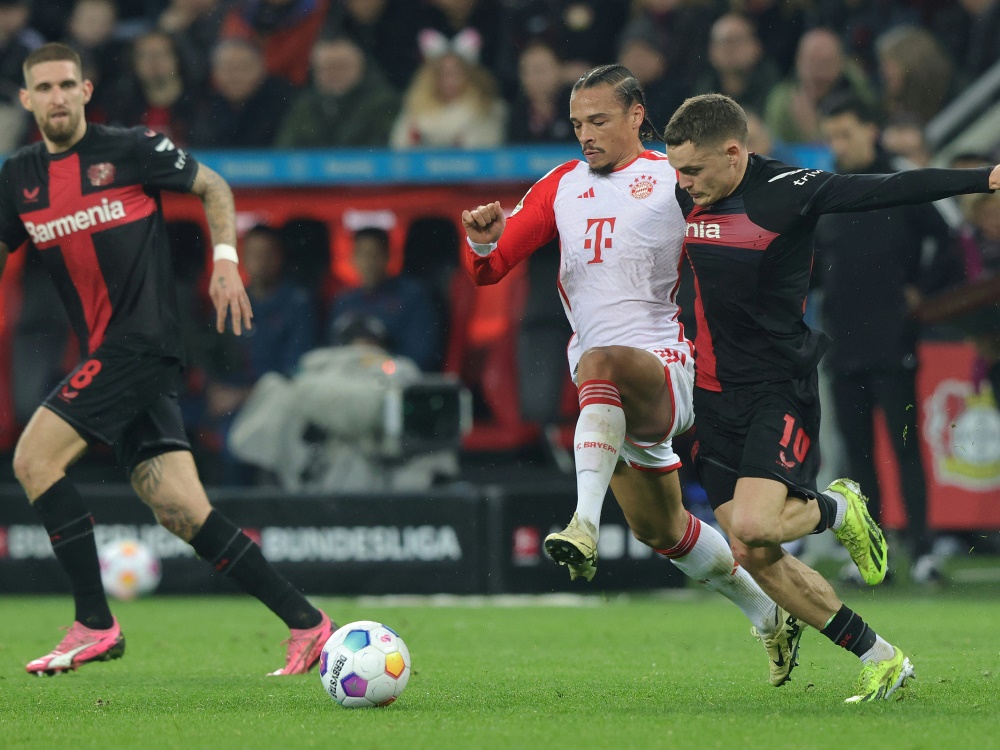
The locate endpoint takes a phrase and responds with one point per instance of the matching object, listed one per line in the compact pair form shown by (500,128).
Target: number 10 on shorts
(800,445)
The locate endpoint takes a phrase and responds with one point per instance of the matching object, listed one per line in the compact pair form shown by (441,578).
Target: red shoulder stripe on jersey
(726,230)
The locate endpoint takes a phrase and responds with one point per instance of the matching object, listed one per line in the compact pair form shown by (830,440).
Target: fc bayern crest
(102,174)
(642,186)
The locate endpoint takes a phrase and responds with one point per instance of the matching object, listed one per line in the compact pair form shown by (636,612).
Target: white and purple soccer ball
(129,569)
(364,664)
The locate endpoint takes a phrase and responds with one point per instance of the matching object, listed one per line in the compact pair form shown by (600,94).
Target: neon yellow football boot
(880,679)
(860,535)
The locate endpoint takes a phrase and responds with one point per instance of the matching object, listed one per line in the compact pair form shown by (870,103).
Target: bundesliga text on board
(424,543)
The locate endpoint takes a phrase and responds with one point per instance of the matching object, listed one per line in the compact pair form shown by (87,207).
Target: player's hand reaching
(484,224)
(229,296)
(995,178)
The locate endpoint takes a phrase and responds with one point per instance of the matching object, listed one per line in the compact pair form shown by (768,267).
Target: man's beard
(603,170)
(60,133)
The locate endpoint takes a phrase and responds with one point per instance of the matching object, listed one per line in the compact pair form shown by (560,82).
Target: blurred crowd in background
(480,73)
(863,77)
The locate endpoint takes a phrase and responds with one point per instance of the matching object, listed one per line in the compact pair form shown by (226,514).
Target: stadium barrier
(455,541)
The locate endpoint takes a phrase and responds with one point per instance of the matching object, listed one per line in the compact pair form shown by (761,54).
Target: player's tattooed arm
(220,208)
(226,287)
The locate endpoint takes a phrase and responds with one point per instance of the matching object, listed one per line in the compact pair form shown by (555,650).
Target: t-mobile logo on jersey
(103,213)
(603,230)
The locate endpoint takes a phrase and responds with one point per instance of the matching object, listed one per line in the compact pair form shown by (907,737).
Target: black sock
(849,631)
(71,531)
(827,512)
(231,552)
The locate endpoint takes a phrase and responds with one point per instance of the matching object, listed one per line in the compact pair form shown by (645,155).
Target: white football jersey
(620,238)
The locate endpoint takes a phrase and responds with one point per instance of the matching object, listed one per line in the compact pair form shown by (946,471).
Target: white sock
(841,501)
(704,555)
(600,433)
(881,651)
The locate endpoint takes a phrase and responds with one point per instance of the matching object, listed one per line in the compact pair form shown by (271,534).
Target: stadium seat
(482,352)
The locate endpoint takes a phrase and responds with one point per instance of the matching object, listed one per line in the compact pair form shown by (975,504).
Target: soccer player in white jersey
(620,232)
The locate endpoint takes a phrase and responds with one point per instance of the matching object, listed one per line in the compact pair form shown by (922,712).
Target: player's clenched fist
(484,224)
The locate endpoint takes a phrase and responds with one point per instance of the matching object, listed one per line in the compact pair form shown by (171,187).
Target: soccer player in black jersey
(749,239)
(87,198)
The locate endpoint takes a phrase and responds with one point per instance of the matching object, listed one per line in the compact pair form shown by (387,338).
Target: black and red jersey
(93,212)
(752,255)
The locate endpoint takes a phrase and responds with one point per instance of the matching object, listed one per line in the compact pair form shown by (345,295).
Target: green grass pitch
(648,672)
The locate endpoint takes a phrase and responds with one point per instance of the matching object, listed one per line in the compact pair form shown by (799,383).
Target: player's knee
(597,363)
(652,537)
(29,467)
(753,531)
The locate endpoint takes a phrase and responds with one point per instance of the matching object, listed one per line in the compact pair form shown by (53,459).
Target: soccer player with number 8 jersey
(87,199)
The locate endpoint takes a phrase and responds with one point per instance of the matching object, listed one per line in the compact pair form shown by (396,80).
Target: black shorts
(125,399)
(768,430)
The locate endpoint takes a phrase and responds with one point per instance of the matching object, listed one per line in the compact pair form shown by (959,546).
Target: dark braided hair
(628,91)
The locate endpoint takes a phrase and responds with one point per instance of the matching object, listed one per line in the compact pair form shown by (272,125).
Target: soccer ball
(129,569)
(364,664)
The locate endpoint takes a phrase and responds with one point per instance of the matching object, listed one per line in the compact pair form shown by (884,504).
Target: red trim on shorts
(687,542)
(599,392)
(655,469)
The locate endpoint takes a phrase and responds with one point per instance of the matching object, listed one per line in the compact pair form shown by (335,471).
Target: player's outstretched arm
(226,288)
(484,224)
(995,178)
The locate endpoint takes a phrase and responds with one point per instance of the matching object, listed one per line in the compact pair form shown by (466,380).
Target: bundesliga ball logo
(642,186)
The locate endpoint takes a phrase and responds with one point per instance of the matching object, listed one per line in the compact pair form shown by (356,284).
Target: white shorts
(659,456)
(678,369)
